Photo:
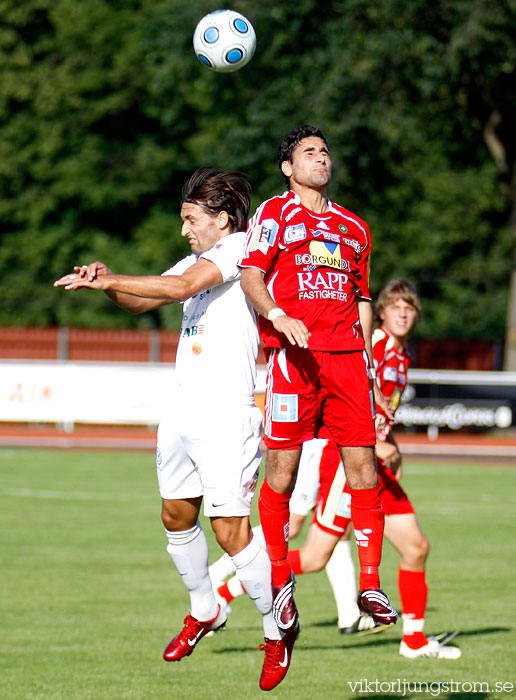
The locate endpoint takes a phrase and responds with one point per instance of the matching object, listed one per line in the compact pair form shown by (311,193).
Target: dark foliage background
(105,111)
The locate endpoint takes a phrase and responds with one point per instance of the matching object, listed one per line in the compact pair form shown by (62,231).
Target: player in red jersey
(305,270)
(398,310)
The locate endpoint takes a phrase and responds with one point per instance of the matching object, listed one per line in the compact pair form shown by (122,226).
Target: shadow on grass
(380,639)
(385,639)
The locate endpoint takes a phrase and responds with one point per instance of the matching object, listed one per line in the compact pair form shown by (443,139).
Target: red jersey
(315,266)
(391,372)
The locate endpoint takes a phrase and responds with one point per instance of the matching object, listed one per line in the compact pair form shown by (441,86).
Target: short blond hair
(401,288)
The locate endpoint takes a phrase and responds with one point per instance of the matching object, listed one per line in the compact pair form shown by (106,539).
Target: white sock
(258,532)
(189,552)
(253,568)
(341,574)
(221,569)
(235,587)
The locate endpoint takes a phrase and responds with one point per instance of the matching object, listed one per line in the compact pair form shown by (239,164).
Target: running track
(456,445)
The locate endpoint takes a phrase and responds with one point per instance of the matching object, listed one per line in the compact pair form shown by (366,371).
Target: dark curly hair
(220,190)
(291,141)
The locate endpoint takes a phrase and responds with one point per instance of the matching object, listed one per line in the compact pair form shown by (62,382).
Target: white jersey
(209,438)
(218,346)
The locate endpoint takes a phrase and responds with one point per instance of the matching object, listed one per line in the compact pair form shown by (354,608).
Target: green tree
(104,111)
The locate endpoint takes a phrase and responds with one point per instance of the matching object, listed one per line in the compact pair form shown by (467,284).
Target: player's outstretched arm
(256,291)
(137,294)
(89,277)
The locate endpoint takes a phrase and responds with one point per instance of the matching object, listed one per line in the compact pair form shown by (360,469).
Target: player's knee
(362,476)
(228,540)
(313,561)
(232,534)
(168,521)
(173,521)
(424,547)
(417,551)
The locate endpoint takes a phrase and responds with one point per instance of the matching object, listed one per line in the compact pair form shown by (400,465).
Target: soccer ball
(224,41)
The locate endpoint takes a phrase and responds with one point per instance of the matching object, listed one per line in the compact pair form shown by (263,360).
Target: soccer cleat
(375,603)
(435,648)
(364,624)
(278,653)
(284,608)
(193,631)
(223,604)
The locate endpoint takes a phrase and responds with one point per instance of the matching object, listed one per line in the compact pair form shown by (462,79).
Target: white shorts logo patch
(344,508)
(284,408)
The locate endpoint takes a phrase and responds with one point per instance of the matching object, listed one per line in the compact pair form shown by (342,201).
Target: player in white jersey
(208,442)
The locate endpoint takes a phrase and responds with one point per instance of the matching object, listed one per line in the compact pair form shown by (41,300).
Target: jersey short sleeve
(226,255)
(262,234)
(181,266)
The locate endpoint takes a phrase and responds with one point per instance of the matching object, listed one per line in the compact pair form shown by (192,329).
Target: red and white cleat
(375,603)
(278,653)
(193,631)
(284,606)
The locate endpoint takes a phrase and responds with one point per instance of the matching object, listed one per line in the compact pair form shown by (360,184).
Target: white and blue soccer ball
(224,41)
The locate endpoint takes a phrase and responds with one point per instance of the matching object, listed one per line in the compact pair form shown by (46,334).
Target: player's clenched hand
(294,329)
(85,277)
(93,270)
(380,401)
(389,454)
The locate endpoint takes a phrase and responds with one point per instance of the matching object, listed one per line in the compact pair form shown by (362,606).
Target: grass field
(90,597)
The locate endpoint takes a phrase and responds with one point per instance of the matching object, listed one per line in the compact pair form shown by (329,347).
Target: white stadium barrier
(137,393)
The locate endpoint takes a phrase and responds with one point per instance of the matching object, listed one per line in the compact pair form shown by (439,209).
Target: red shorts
(332,512)
(394,499)
(313,393)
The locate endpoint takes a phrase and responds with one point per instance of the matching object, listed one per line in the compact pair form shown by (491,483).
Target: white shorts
(218,458)
(304,496)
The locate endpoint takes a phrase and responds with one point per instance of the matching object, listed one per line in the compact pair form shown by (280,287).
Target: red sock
(368,522)
(225,593)
(274,517)
(294,559)
(413,594)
